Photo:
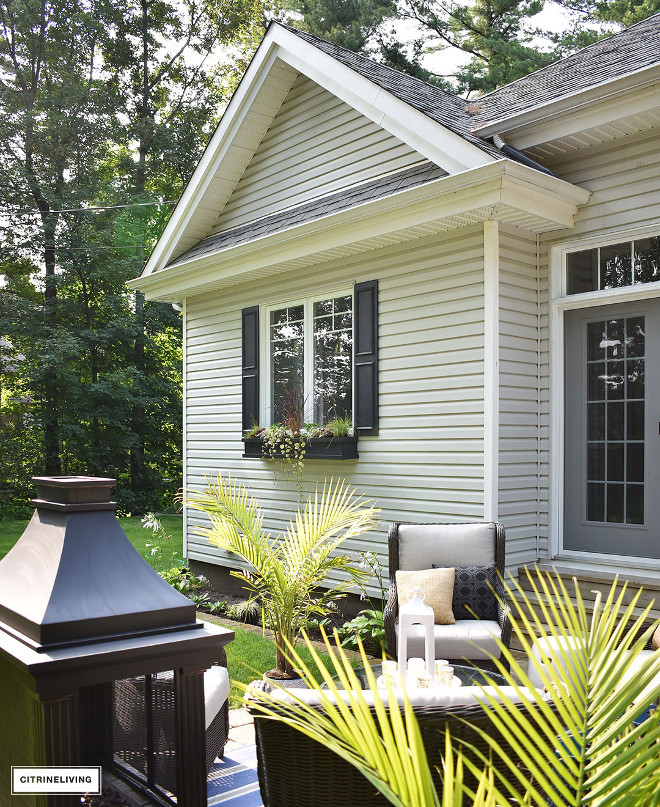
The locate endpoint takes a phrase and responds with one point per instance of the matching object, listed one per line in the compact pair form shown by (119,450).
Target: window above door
(613,266)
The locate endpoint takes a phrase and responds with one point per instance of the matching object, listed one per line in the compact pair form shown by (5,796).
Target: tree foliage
(105,108)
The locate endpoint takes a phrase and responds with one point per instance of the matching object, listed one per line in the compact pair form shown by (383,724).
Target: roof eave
(497,187)
(515,127)
(283,51)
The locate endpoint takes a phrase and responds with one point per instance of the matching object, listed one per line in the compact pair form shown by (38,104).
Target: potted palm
(285,573)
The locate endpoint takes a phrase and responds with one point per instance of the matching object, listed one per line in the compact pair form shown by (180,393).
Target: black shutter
(365,301)
(250,367)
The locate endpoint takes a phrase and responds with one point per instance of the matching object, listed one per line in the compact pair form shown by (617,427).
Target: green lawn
(12,529)
(250,655)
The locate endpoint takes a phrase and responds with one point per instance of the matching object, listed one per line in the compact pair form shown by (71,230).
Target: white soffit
(589,116)
(504,191)
(265,84)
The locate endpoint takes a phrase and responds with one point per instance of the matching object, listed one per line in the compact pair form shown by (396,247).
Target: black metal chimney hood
(79,611)
(74,576)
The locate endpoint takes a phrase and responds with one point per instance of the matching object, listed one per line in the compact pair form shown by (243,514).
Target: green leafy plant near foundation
(369,625)
(585,744)
(285,573)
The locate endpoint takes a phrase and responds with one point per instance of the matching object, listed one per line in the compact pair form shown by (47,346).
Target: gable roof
(434,102)
(631,51)
(412,113)
(310,211)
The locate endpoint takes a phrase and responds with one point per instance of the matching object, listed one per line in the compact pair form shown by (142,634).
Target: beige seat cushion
(472,639)
(437,585)
(655,640)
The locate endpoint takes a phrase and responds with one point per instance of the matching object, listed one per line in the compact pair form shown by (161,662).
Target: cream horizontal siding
(518,393)
(315,145)
(427,462)
(624,178)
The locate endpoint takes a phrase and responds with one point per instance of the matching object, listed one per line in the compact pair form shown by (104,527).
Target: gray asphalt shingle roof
(309,211)
(622,53)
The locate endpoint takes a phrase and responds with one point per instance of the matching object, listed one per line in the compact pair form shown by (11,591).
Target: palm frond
(580,747)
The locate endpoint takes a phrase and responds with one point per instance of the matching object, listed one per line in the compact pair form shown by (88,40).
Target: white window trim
(559,303)
(264,380)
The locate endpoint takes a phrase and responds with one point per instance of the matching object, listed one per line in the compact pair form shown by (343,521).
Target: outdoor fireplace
(79,611)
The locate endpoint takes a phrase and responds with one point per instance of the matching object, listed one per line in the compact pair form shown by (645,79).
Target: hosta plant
(285,573)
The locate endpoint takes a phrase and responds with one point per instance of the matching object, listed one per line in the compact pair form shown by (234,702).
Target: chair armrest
(503,616)
(390,613)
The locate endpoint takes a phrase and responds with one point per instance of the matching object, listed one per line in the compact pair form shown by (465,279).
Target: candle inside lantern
(416,612)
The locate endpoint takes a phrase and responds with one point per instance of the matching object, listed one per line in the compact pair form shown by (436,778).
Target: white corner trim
(556,402)
(185,425)
(491,369)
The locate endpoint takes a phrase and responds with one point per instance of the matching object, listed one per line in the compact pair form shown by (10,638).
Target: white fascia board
(221,141)
(499,183)
(430,138)
(579,110)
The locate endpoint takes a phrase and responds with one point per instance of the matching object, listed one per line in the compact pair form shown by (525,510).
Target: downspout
(520,157)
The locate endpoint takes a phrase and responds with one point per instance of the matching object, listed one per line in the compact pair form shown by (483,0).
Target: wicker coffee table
(296,771)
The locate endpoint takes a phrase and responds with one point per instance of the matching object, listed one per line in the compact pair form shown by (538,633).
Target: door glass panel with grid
(611,429)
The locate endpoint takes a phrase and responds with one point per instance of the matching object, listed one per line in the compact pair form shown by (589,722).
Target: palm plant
(578,746)
(285,573)
(587,750)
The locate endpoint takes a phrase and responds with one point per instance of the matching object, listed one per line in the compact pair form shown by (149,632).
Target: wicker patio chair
(421,546)
(130,740)
(296,771)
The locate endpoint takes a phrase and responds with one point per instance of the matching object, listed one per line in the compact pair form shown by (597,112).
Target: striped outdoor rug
(233,779)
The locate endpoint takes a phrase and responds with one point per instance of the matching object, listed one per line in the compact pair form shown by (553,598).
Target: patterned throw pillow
(437,585)
(472,590)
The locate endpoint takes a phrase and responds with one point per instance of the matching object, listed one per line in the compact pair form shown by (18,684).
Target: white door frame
(560,302)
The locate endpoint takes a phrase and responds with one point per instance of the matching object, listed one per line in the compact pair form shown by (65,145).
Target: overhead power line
(93,209)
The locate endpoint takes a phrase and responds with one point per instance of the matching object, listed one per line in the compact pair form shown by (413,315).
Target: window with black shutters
(321,356)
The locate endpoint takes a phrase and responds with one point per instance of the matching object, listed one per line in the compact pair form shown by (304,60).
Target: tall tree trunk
(53,465)
(138,450)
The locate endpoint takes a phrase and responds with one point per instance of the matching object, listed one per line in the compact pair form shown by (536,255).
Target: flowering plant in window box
(335,440)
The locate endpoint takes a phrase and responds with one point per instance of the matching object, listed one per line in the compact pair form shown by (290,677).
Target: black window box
(318,448)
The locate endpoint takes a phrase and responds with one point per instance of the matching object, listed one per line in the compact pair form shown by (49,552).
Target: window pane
(615,504)
(595,502)
(287,361)
(615,462)
(646,258)
(582,271)
(333,360)
(595,340)
(616,266)
(635,504)
(635,462)
(596,462)
(634,337)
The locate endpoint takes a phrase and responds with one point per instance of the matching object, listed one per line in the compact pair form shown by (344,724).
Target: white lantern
(416,612)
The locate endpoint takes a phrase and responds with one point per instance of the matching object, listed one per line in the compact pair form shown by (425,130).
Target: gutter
(520,157)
